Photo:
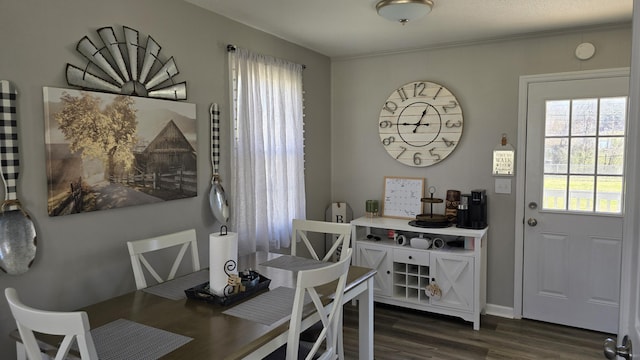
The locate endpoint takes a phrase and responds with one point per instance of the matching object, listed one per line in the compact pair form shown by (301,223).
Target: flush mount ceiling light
(403,11)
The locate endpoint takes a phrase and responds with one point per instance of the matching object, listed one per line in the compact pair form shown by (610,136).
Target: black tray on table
(201,292)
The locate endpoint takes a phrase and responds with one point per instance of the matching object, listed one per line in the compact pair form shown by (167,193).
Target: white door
(574,200)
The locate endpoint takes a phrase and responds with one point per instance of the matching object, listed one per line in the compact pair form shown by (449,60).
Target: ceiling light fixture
(403,10)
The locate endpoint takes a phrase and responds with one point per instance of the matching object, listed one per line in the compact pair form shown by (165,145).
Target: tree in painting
(108,135)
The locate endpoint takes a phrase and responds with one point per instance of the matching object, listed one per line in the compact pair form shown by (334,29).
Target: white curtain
(267,160)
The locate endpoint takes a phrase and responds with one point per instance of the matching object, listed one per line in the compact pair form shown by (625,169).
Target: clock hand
(414,124)
(420,121)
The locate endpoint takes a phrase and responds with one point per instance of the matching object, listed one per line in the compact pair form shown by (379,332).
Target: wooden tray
(201,292)
(430,224)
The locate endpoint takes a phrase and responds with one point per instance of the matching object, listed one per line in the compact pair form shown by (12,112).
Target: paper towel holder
(223,227)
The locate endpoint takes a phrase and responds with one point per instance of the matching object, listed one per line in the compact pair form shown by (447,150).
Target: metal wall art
(126,67)
(217,197)
(17,231)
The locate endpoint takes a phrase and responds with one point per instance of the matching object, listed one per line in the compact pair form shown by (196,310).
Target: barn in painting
(170,151)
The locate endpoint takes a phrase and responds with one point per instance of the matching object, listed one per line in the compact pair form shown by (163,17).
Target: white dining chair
(341,233)
(74,326)
(138,248)
(330,314)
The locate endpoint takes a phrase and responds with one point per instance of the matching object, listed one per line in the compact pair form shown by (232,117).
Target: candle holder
(372,208)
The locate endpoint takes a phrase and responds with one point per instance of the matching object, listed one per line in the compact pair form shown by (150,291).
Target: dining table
(205,330)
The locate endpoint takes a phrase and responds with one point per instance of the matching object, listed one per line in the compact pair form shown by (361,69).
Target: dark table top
(215,335)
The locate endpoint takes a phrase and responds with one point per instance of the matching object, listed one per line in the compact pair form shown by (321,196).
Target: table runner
(174,289)
(268,308)
(294,263)
(125,339)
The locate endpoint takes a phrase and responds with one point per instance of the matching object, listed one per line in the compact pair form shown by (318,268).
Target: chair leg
(340,343)
(21,352)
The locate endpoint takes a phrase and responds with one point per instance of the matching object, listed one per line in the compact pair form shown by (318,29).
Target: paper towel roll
(223,261)
(402,240)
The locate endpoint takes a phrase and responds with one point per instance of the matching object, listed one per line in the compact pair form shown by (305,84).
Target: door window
(584,155)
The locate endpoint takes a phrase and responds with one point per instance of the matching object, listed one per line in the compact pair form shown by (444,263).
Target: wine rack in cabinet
(409,282)
(449,280)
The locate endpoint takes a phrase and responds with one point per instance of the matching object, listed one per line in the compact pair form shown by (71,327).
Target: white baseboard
(499,310)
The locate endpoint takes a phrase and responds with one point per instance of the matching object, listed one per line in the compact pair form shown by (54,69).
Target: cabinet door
(377,257)
(454,276)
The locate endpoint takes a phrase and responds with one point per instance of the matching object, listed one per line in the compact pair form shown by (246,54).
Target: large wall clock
(420,123)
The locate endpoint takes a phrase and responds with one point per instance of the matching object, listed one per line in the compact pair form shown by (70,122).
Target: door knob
(532,222)
(611,351)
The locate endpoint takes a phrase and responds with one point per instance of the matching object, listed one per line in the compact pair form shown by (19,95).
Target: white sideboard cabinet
(405,272)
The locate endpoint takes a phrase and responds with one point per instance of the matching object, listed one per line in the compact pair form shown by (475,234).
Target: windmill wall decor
(126,67)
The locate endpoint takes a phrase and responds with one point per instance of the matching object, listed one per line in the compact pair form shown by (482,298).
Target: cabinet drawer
(411,257)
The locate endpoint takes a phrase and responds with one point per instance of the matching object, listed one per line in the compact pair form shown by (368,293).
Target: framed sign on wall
(504,158)
(402,197)
(503,162)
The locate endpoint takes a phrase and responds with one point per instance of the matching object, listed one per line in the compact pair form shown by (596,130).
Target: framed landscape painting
(108,151)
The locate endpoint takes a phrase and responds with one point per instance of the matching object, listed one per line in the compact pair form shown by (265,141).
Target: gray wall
(484,78)
(82,258)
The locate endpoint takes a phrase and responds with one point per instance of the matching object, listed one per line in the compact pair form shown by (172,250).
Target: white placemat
(294,263)
(174,289)
(268,308)
(124,339)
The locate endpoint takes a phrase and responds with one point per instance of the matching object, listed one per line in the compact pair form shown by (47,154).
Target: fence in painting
(181,181)
(582,200)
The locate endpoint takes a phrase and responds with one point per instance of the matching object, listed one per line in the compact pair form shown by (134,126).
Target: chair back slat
(341,233)
(143,260)
(137,248)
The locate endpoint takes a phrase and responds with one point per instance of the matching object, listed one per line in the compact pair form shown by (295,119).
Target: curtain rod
(232,48)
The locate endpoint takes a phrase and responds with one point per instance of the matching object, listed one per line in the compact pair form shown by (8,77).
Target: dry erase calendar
(402,197)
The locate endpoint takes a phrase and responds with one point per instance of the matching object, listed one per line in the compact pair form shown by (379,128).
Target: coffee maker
(472,211)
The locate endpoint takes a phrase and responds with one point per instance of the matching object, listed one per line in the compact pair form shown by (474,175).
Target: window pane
(581,193)
(557,118)
(613,112)
(583,117)
(554,192)
(611,155)
(583,155)
(555,155)
(609,194)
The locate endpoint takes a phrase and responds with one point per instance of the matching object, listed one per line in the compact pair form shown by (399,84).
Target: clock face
(420,123)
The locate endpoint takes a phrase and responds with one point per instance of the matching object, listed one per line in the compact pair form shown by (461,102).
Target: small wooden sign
(402,197)
(503,162)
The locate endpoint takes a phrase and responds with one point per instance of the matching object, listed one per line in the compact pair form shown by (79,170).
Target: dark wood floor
(404,334)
